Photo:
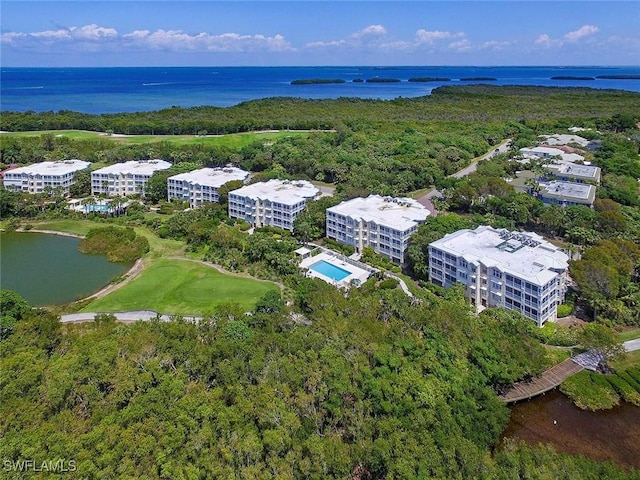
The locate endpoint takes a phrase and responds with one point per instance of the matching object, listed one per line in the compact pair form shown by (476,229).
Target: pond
(605,435)
(49,270)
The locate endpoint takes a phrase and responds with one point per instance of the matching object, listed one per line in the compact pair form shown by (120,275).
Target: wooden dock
(544,382)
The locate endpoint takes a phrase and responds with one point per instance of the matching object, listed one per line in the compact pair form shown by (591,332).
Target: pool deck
(355,273)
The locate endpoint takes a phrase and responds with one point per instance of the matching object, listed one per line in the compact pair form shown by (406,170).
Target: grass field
(182,287)
(234,141)
(629,334)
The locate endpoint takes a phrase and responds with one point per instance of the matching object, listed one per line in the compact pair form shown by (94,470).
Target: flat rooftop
(553,152)
(568,190)
(136,167)
(50,168)
(212,177)
(524,254)
(577,170)
(287,192)
(563,139)
(397,213)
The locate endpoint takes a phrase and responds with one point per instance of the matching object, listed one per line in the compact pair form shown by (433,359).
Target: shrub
(117,243)
(565,309)
(388,284)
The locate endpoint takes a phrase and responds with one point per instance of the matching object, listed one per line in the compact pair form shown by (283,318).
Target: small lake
(49,269)
(605,435)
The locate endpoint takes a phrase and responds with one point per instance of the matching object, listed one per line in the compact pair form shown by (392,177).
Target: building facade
(516,270)
(382,223)
(573,172)
(128,178)
(566,194)
(200,186)
(275,203)
(44,176)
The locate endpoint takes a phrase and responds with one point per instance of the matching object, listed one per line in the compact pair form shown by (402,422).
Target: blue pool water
(98,208)
(329,270)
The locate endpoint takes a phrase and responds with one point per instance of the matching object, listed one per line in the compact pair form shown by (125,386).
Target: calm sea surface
(112,90)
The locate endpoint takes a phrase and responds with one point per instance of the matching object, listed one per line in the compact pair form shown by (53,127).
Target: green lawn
(159,247)
(75,227)
(234,141)
(182,287)
(629,334)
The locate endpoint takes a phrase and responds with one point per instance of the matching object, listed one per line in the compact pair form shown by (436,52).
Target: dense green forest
(369,386)
(364,384)
(473,103)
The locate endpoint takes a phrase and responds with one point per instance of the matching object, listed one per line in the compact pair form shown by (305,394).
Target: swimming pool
(329,270)
(97,208)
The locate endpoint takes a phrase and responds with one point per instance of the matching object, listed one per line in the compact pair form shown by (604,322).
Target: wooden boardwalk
(544,382)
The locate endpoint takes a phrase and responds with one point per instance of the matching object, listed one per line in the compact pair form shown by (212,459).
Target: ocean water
(112,90)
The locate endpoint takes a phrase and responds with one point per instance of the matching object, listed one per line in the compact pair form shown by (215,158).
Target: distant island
(317,81)
(358,80)
(382,80)
(571,77)
(429,79)
(478,79)
(619,77)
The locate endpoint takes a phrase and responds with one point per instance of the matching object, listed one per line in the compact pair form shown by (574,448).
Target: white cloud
(371,30)
(461,45)
(426,36)
(92,32)
(11,37)
(62,33)
(583,31)
(173,40)
(370,35)
(494,45)
(544,40)
(332,43)
(137,34)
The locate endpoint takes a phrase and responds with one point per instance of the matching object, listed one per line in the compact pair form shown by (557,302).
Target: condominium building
(515,270)
(573,172)
(559,156)
(44,176)
(566,194)
(382,223)
(202,185)
(561,139)
(275,203)
(128,178)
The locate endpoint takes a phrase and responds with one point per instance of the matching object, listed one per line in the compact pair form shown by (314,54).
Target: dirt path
(132,273)
(49,232)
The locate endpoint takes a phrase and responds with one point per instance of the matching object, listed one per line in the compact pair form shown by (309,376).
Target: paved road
(632,345)
(502,148)
(426,199)
(134,316)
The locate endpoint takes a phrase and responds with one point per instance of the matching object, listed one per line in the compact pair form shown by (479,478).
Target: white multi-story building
(498,268)
(573,172)
(555,154)
(566,194)
(382,223)
(40,177)
(202,185)
(275,203)
(561,139)
(128,178)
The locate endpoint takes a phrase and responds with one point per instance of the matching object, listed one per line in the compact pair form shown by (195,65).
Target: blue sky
(194,33)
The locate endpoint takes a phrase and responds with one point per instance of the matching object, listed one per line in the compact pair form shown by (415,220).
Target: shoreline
(127,276)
